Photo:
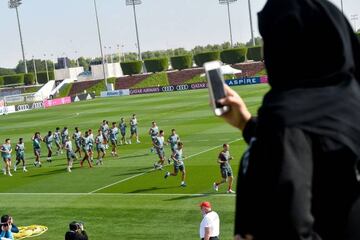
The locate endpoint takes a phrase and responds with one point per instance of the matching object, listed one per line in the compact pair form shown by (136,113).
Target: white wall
(111,70)
(68,73)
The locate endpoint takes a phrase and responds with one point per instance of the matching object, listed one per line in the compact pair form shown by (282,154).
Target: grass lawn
(125,198)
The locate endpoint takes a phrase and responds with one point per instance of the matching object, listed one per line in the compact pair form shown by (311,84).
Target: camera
(76,226)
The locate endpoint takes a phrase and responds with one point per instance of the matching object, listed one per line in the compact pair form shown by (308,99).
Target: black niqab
(313,61)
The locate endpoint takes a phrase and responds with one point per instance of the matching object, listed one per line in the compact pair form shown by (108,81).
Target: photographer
(76,232)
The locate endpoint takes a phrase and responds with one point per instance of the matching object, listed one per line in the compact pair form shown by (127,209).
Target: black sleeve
(82,236)
(274,187)
(250,129)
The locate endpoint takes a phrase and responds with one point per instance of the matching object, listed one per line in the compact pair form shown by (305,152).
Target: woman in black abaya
(299,180)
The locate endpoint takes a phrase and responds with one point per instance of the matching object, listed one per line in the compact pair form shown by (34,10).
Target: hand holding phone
(216,87)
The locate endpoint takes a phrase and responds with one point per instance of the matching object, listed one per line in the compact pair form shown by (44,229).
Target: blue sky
(63,27)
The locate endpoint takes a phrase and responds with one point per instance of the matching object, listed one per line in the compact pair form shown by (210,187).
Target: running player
(114,131)
(20,154)
(57,138)
(159,146)
(153,132)
(37,148)
(85,147)
(6,155)
(225,169)
(178,164)
(64,135)
(91,145)
(99,141)
(70,155)
(122,126)
(48,139)
(173,140)
(134,129)
(77,137)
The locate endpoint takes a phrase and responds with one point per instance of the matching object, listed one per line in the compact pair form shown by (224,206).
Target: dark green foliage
(14,79)
(232,56)
(1,80)
(130,68)
(42,77)
(156,64)
(181,62)
(7,71)
(255,53)
(202,58)
(29,79)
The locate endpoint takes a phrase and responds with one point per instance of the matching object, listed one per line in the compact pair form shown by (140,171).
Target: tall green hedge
(255,53)
(131,68)
(234,55)
(156,64)
(42,77)
(202,58)
(29,79)
(181,62)
(14,79)
(1,80)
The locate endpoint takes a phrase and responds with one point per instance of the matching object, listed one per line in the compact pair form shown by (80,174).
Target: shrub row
(26,79)
(229,56)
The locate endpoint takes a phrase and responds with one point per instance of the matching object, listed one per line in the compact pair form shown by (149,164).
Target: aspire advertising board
(57,102)
(115,93)
(246,81)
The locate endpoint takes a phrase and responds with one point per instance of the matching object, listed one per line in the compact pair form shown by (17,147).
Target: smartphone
(216,86)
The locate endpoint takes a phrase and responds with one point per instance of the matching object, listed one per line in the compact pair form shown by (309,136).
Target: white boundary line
(140,174)
(121,194)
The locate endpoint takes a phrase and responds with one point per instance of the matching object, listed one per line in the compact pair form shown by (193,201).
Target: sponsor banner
(56,102)
(7,109)
(28,106)
(264,79)
(243,81)
(82,97)
(144,90)
(115,93)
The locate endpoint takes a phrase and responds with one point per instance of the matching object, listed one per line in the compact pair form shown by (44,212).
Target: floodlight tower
(227,3)
(251,23)
(133,3)
(15,4)
(100,42)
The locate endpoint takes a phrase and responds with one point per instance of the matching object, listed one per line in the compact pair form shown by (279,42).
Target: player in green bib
(48,139)
(20,154)
(6,155)
(178,164)
(37,139)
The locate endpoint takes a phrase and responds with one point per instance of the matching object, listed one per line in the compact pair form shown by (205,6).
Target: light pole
(15,4)
(53,62)
(251,23)
(342,6)
(100,42)
(354,18)
(46,67)
(134,3)
(227,3)
(111,55)
(35,72)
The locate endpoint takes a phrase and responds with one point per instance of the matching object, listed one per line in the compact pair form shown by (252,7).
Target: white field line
(119,194)
(140,174)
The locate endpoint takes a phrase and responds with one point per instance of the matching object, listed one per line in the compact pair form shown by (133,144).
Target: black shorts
(178,168)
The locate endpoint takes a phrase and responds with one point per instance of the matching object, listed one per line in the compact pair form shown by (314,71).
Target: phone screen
(217,86)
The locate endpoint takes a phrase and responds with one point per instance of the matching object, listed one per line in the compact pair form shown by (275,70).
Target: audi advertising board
(28,106)
(171,88)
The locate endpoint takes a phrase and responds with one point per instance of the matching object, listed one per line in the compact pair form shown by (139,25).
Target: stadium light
(251,23)
(228,2)
(35,72)
(46,67)
(134,3)
(354,18)
(14,4)
(100,42)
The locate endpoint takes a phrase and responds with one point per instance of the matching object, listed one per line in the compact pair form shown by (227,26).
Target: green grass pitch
(125,198)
